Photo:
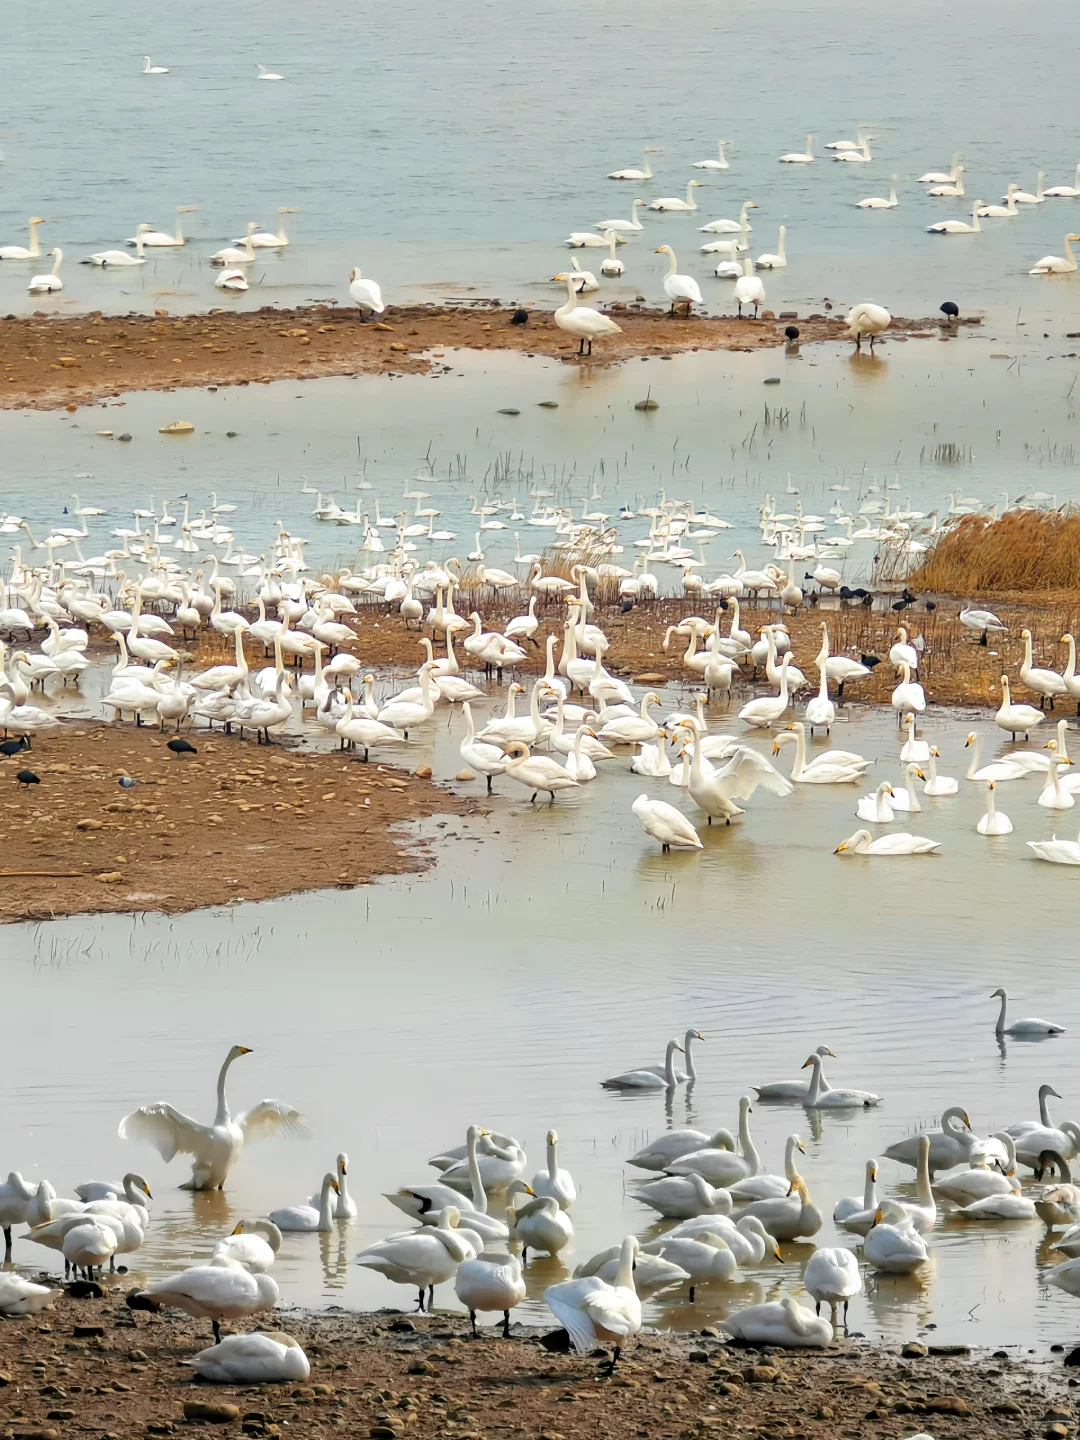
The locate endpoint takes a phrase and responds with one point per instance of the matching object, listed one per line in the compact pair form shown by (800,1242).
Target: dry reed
(1023,551)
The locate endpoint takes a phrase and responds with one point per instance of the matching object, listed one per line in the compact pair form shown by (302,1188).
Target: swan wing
(567,1302)
(747,770)
(273,1117)
(170,1131)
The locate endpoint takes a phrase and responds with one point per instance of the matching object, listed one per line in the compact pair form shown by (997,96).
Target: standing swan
(594,1311)
(680,289)
(366,295)
(581,320)
(748,289)
(215,1147)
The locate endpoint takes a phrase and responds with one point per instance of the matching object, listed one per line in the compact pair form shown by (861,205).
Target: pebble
(178,427)
(914,1350)
(948,1405)
(89,1332)
(5,1378)
(647,405)
(423,773)
(698,1357)
(1005,1407)
(509,410)
(464,775)
(548,404)
(214,1411)
(1056,1431)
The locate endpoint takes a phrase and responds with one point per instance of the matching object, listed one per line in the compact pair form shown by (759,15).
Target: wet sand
(96,1367)
(236,821)
(49,361)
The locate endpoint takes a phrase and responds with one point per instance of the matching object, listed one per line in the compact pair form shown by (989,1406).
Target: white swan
(791,1089)
(777,261)
(666,824)
(1032,1137)
(1012,1206)
(1004,769)
(580,320)
(1065,191)
(958,227)
(25,252)
(729,227)
(612,267)
(584,283)
(791,1217)
(1024,197)
(832,1275)
(953,1144)
(823,1097)
(875,202)
(646,1078)
(593,1311)
(267,239)
(253,1244)
(366,294)
(854,1207)
(875,806)
(867,320)
(909,695)
(800,157)
(308,1217)
(645,173)
(149,69)
(220,1291)
(995,821)
(779,1322)
(231,280)
(977,1180)
(705,1256)
(762,1186)
(621,227)
(491,1281)
(215,1147)
(161,238)
(554,1181)
(938,784)
(749,290)
(886,845)
(954,189)
(113,258)
(539,1224)
(265,74)
(426,1202)
(672,202)
(651,1271)
(857,154)
(892,1245)
(721,163)
(680,289)
(1000,212)
(1057,852)
(940,177)
(1057,264)
(50,283)
(260,1358)
(422,1258)
(722,1167)
(656,1154)
(680,1197)
(19,1296)
(1016,719)
(830,767)
(237,255)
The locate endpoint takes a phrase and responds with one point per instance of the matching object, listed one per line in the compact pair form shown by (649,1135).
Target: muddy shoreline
(96,1367)
(50,361)
(198,830)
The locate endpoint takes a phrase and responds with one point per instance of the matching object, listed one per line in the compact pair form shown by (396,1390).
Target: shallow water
(857,429)
(449,152)
(547,948)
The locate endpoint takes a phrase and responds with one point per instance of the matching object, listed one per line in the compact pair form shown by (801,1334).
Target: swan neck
(1000,1027)
(870,1189)
(479,1194)
(746,1144)
(222,1104)
(325,1216)
(669,1065)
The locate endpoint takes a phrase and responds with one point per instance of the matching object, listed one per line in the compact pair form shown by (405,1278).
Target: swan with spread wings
(216,1147)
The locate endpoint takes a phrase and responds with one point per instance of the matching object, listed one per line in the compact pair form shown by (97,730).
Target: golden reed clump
(1026,550)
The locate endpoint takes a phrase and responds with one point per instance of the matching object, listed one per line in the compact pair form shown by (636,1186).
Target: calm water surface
(449,151)
(547,948)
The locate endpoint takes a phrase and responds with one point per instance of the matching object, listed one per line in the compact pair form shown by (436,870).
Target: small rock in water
(423,773)
(773,380)
(125,436)
(647,405)
(509,410)
(548,404)
(178,427)
(464,775)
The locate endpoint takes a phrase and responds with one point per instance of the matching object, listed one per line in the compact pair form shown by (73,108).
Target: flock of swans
(718,1211)
(581,716)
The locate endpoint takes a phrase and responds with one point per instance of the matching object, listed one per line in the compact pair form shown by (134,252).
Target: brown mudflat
(237,820)
(387,1377)
(50,361)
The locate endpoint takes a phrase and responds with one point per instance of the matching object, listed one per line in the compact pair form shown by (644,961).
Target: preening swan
(594,1312)
(366,295)
(1029,1027)
(219,1291)
(892,1245)
(237,255)
(779,1322)
(666,824)
(491,1281)
(832,1275)
(867,321)
(19,1296)
(253,1244)
(1057,852)
(256,1359)
(231,280)
(538,1224)
(422,1258)
(580,320)
(215,1147)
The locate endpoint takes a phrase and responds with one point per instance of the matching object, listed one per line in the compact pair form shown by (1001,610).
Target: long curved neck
(746,1144)
(926,1195)
(688,1044)
(1068,248)
(327,1190)
(815,1080)
(549,672)
(671,256)
(1001,1017)
(1044,1109)
(222,1104)
(479,1194)
(790,1168)
(624,1277)
(974,758)
(552,1160)
(870,1188)
(669,1064)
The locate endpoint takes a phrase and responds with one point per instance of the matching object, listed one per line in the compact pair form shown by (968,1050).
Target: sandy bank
(234,821)
(388,1376)
(50,361)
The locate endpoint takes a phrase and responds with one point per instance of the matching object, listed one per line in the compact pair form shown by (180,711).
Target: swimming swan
(886,845)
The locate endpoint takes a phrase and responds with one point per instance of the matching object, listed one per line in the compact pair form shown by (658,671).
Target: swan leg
(217,1331)
(614,1360)
(690,1297)
(431,1298)
(489,778)
(7,1243)
(420,1302)
(472,1322)
(506,1324)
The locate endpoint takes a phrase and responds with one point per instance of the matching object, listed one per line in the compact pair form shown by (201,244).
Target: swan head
(238,1050)
(1046,1090)
(972,737)
(137,1183)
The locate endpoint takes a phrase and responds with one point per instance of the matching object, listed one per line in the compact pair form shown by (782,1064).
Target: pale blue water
(451,149)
